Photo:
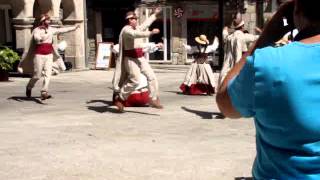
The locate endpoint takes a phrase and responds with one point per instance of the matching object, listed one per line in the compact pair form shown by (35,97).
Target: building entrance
(5,23)
(202,19)
(164,24)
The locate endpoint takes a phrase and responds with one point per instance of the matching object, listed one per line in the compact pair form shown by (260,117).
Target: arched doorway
(6,32)
(67,7)
(108,17)
(105,21)
(72,13)
(42,7)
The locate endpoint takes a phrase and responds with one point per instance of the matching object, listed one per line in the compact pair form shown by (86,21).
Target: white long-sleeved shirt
(133,38)
(240,38)
(210,48)
(146,47)
(41,35)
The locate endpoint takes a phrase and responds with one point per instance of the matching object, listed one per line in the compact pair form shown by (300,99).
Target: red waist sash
(44,49)
(134,53)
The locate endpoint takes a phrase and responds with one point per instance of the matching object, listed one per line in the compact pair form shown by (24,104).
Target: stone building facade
(180,22)
(102,20)
(19,17)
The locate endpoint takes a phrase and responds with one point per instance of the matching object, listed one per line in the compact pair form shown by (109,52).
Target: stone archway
(22,8)
(67,8)
(23,20)
(42,7)
(71,12)
(5,23)
(25,12)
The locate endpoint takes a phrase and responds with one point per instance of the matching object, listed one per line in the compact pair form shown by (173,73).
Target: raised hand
(155,31)
(159,45)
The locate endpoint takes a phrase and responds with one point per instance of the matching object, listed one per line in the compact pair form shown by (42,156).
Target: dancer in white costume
(139,97)
(200,77)
(41,56)
(235,45)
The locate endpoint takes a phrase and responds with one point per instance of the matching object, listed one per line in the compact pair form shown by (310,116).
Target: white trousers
(135,67)
(42,68)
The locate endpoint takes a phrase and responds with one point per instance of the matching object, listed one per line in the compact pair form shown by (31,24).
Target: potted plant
(7,60)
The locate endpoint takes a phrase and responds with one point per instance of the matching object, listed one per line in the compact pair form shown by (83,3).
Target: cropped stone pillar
(23,28)
(179,35)
(75,52)
(98,26)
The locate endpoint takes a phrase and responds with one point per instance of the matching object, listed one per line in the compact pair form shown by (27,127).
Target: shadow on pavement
(23,98)
(243,178)
(175,92)
(103,109)
(181,93)
(108,108)
(109,103)
(203,114)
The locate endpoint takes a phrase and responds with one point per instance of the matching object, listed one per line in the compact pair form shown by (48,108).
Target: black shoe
(118,102)
(114,97)
(220,116)
(28,92)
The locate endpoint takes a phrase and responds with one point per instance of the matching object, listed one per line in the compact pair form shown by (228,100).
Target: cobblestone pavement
(77,135)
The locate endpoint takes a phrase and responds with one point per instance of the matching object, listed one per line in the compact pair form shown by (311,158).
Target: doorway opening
(163,23)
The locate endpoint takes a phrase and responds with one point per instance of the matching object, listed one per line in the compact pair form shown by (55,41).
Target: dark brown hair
(45,17)
(309,9)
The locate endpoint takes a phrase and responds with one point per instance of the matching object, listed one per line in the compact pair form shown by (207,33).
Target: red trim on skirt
(197,89)
(138,99)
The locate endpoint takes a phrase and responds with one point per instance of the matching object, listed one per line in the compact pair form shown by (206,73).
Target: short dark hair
(309,9)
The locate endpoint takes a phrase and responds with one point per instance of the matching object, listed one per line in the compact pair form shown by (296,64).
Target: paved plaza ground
(78,135)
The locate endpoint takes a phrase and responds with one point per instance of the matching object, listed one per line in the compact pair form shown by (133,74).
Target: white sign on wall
(103,55)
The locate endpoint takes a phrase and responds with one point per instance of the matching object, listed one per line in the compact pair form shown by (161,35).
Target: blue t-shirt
(280,88)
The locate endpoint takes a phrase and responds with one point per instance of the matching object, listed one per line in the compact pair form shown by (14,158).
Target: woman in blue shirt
(280,88)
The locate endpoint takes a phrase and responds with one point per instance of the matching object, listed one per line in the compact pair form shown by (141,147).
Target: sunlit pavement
(79,135)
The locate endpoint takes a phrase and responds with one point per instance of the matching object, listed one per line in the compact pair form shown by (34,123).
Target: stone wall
(26,13)
(250,17)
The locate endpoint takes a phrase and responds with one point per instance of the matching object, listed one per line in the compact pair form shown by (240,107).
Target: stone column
(23,28)
(7,25)
(75,53)
(250,18)
(98,26)
(179,34)
(55,12)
